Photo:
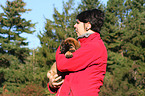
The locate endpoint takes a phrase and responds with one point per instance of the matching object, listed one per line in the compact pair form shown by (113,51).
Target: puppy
(67,47)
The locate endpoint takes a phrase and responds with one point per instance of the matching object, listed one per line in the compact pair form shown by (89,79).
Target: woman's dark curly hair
(94,16)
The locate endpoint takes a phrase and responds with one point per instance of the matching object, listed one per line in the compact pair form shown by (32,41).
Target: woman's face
(79,28)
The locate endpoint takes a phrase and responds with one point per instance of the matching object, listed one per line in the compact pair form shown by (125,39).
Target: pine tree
(13,53)
(134,40)
(12,25)
(55,31)
(125,70)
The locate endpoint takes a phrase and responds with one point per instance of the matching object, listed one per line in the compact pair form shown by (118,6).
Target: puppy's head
(69,44)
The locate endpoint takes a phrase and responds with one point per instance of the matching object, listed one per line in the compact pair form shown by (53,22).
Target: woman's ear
(87,26)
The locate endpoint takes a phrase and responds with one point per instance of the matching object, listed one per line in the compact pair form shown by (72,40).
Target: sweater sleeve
(82,58)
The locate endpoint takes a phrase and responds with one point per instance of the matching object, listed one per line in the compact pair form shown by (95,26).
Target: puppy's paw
(68,54)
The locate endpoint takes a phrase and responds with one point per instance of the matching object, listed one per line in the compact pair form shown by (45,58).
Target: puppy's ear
(74,41)
(77,44)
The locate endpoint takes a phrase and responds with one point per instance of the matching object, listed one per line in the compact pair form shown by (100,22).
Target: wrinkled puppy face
(67,46)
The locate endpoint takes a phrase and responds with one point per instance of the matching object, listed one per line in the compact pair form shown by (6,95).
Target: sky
(41,9)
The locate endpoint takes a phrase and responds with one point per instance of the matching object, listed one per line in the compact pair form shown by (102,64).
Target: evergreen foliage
(11,26)
(13,54)
(123,34)
(90,4)
(55,31)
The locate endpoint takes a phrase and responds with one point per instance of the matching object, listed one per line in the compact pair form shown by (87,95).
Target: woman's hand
(55,81)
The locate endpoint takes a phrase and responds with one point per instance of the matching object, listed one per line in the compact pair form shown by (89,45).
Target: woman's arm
(82,58)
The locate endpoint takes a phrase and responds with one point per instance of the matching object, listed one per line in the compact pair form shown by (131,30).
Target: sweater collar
(88,36)
(85,35)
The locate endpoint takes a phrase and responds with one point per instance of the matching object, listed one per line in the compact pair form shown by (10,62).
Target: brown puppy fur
(67,47)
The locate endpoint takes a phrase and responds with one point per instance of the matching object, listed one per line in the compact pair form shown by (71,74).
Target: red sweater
(86,68)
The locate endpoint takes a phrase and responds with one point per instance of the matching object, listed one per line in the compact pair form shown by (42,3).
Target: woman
(87,68)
